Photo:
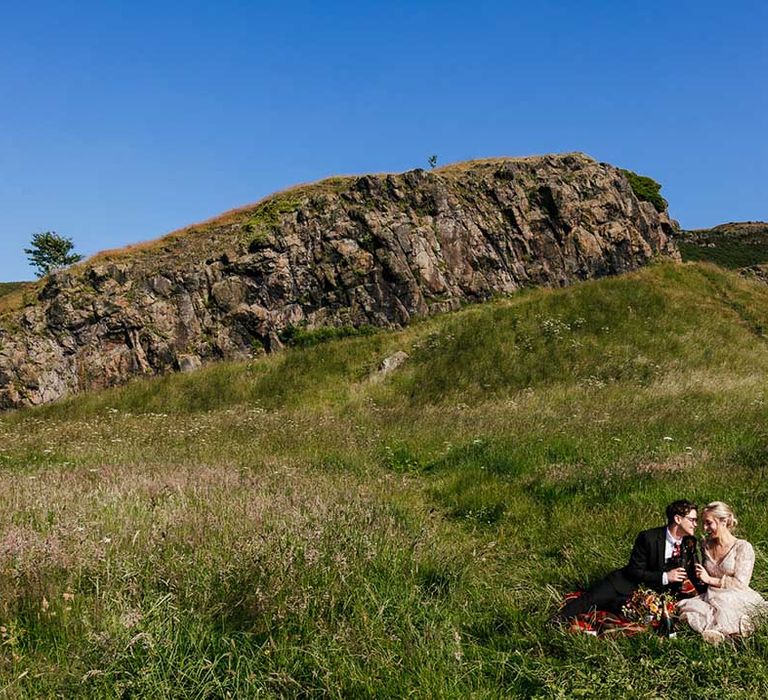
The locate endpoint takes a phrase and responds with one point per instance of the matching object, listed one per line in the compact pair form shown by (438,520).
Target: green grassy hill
(299,526)
(10,287)
(733,246)
(12,294)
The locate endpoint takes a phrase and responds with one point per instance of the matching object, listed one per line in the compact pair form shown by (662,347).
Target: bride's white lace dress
(731,608)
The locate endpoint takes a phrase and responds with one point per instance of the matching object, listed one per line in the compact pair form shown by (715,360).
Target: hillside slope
(373,250)
(299,525)
(736,245)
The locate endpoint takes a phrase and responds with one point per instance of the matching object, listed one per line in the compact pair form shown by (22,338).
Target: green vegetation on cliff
(299,526)
(646,189)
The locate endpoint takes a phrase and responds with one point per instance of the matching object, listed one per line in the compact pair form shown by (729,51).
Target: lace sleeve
(740,575)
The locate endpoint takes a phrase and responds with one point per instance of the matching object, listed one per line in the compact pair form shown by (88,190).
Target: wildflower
(45,604)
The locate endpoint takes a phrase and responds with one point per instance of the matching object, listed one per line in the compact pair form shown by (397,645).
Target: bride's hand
(701,572)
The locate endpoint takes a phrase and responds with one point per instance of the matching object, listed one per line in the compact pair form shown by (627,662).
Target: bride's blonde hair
(723,512)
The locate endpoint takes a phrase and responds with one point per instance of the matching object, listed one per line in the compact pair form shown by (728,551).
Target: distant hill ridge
(737,228)
(352,252)
(735,245)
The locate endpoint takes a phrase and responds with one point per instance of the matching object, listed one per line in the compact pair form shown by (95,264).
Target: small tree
(50,252)
(432,160)
(646,189)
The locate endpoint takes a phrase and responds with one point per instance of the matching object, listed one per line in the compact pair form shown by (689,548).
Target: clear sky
(121,121)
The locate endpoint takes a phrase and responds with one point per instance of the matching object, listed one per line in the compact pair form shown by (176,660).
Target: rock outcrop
(377,250)
(757,273)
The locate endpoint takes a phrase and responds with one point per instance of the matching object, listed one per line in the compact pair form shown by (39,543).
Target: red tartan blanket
(601,622)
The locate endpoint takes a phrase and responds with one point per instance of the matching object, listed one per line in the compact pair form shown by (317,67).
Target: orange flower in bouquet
(649,607)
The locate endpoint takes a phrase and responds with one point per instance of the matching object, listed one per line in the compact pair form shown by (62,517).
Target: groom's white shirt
(669,543)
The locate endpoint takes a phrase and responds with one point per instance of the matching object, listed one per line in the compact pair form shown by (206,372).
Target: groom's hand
(676,575)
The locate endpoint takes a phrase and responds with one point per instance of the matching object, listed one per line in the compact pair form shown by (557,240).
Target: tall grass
(291,527)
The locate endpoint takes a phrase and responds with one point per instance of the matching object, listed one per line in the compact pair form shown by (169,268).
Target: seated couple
(725,604)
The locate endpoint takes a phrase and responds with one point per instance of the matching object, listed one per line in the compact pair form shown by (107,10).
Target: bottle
(690,559)
(667,625)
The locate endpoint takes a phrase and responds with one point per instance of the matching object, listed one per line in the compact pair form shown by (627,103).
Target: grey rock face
(376,250)
(391,363)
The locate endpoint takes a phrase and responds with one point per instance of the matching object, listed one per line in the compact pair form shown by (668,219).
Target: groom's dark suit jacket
(645,568)
(646,564)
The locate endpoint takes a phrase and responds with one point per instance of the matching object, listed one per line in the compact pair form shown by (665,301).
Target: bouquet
(649,607)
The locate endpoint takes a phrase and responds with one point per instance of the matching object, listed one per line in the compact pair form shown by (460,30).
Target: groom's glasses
(694,521)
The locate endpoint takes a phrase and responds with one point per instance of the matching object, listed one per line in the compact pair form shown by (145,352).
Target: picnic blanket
(603,622)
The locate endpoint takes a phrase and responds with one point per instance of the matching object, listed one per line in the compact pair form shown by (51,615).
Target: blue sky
(121,121)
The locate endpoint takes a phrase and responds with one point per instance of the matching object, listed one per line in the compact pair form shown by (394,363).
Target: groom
(654,562)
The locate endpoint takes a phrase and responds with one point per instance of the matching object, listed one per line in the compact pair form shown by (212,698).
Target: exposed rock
(758,273)
(189,363)
(376,250)
(391,363)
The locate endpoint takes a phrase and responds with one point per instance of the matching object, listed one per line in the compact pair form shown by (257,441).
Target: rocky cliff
(377,250)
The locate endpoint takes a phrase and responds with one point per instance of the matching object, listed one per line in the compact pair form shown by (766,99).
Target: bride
(728,605)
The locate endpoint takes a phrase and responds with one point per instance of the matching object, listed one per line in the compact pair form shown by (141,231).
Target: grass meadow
(297,526)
